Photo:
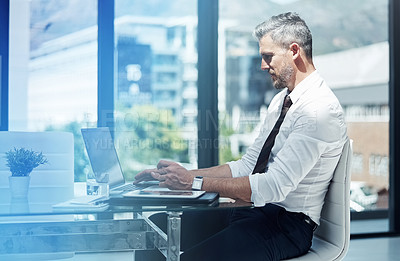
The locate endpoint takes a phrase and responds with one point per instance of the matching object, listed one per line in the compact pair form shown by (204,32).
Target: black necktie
(269,143)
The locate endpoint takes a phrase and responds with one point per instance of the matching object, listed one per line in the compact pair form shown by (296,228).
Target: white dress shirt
(306,150)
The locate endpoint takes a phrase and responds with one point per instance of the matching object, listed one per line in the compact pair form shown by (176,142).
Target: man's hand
(145,175)
(170,174)
(218,179)
(173,176)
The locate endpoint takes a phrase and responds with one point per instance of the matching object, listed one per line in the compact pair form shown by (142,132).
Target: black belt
(306,219)
(309,221)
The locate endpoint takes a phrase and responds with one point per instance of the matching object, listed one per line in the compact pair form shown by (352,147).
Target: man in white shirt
(289,184)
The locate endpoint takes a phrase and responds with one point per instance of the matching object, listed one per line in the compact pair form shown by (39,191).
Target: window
(53,69)
(53,52)
(155,83)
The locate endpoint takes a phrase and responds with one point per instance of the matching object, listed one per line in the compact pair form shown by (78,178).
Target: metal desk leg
(174,235)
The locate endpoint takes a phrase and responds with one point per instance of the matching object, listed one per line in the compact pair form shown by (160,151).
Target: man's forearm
(222,171)
(219,179)
(238,188)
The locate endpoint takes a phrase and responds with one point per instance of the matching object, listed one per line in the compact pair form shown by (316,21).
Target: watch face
(197,183)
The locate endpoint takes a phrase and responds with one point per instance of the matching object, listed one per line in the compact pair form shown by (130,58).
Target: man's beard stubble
(283,78)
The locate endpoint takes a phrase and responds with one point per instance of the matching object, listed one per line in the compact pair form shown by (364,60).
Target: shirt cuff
(256,196)
(233,165)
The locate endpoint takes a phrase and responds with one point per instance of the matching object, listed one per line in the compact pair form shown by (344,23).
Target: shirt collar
(303,86)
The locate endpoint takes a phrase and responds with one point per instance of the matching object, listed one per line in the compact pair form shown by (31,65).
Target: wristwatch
(197,183)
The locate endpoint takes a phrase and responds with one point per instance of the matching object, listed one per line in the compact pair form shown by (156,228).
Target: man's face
(277,61)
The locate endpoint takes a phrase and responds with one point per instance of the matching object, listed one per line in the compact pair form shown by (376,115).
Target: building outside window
(156,110)
(53,69)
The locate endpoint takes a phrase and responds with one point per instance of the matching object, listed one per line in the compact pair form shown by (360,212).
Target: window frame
(207,83)
(4,52)
(105,64)
(394,120)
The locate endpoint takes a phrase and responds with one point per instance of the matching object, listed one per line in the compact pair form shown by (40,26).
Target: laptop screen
(102,155)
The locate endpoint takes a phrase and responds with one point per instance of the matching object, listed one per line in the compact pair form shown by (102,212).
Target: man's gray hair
(285,29)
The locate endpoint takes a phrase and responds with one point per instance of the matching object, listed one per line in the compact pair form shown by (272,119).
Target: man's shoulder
(322,104)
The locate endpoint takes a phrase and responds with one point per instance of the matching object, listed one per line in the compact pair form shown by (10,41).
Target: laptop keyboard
(131,186)
(128,186)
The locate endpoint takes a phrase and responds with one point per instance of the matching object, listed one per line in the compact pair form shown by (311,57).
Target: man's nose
(264,65)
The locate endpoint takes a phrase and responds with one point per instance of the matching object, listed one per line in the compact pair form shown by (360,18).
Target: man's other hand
(172,175)
(145,175)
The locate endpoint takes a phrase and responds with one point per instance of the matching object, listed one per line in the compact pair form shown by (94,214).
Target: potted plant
(21,163)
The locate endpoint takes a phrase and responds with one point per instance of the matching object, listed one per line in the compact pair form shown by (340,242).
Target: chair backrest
(57,147)
(335,215)
(331,239)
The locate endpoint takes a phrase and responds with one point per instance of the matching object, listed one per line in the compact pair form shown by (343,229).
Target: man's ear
(295,50)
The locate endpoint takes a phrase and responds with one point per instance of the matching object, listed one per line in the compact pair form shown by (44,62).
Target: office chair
(331,239)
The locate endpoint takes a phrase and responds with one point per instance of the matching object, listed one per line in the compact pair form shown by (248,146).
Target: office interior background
(181,80)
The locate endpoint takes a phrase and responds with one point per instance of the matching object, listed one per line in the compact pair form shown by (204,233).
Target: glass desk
(31,226)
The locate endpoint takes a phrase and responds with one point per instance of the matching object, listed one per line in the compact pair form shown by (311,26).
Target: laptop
(146,197)
(104,160)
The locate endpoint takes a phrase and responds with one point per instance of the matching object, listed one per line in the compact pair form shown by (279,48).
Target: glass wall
(351,51)
(155,83)
(53,68)
(53,79)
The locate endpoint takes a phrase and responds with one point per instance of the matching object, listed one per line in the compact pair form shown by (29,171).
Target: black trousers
(265,233)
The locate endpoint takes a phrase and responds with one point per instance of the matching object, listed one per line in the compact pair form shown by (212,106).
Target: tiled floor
(374,249)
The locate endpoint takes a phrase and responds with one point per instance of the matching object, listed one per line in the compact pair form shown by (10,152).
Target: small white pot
(19,186)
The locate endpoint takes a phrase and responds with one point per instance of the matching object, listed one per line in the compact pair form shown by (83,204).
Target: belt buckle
(309,221)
